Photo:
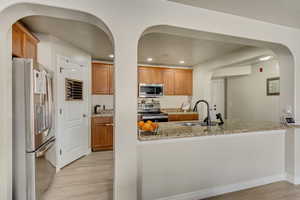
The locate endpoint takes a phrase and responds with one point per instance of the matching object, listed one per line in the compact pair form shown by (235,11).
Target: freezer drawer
(44,170)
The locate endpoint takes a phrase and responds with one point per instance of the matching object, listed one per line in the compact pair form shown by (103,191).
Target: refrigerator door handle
(43,149)
(42,152)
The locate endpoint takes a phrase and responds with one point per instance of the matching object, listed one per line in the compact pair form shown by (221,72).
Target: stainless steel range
(150,110)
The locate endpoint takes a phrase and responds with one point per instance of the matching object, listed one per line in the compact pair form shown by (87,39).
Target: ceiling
(85,36)
(283,12)
(165,48)
(169,49)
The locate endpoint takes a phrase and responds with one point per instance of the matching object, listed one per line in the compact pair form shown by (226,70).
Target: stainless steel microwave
(151,90)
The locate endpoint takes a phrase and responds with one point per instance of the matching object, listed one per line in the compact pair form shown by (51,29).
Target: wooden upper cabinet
(175,81)
(102,78)
(30,47)
(111,79)
(150,75)
(24,43)
(168,81)
(17,41)
(183,82)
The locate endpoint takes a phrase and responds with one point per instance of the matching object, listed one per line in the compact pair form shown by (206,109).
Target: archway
(9,17)
(202,79)
(282,53)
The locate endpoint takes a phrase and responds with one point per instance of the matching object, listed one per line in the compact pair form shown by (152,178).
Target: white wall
(173,101)
(232,71)
(196,168)
(204,72)
(135,16)
(247,95)
(107,100)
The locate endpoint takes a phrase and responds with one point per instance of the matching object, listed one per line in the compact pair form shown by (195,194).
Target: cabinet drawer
(102,120)
(183,117)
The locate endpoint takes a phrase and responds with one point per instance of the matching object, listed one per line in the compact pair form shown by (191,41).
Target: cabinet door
(17,41)
(102,137)
(30,47)
(150,75)
(100,78)
(111,79)
(168,81)
(184,82)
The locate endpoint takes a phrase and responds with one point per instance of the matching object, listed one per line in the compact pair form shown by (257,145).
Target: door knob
(84,115)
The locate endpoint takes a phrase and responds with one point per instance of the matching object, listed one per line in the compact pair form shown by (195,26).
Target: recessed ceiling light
(265,58)
(149,59)
(111,55)
(181,62)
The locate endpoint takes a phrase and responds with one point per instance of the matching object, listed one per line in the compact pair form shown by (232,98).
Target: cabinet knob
(84,115)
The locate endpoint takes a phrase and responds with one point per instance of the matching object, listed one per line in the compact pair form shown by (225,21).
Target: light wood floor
(275,191)
(89,178)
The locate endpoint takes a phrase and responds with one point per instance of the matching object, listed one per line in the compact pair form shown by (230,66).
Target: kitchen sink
(188,124)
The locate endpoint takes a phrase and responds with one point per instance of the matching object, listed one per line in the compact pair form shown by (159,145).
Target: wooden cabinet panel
(150,75)
(102,134)
(183,117)
(111,79)
(168,81)
(102,78)
(176,81)
(29,48)
(17,41)
(24,43)
(183,83)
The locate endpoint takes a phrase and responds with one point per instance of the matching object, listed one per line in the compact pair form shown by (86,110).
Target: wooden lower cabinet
(102,133)
(183,117)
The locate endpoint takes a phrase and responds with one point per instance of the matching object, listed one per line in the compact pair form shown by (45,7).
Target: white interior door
(72,113)
(217,98)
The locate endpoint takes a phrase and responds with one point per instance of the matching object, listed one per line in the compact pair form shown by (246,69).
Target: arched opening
(76,50)
(185,43)
(236,77)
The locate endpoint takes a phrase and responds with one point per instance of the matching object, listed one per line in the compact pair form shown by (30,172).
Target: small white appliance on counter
(33,138)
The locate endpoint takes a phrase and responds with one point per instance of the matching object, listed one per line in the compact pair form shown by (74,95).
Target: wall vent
(74,90)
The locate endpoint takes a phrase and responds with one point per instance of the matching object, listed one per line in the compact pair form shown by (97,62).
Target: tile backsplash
(107,100)
(165,101)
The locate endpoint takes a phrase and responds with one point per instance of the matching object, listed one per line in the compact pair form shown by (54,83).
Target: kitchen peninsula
(172,130)
(195,162)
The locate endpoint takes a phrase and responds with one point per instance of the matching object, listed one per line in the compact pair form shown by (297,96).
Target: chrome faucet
(207,120)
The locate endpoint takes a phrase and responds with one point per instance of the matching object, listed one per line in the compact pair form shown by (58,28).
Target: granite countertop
(171,130)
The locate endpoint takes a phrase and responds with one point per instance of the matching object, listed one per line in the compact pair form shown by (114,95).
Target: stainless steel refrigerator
(33,135)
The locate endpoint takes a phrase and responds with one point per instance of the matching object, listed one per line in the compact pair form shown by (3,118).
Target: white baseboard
(89,151)
(292,179)
(205,193)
